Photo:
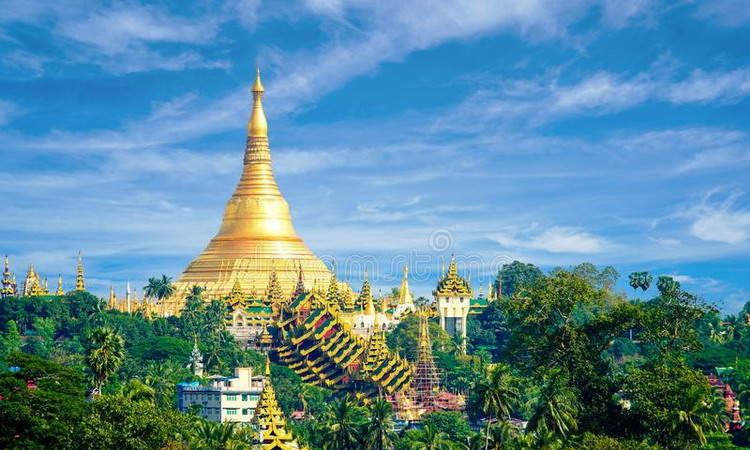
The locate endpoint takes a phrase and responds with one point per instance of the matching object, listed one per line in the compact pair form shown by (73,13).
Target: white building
(453,300)
(224,399)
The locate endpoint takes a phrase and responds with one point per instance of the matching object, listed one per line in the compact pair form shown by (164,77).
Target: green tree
(10,341)
(640,280)
(497,394)
(192,315)
(671,404)
(670,321)
(378,432)
(556,408)
(104,356)
(404,337)
(115,422)
(512,277)
(137,391)
(451,423)
(428,438)
(343,422)
(218,436)
(159,288)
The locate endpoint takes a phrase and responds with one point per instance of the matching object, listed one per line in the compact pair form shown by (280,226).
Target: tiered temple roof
(322,350)
(9,288)
(272,428)
(453,285)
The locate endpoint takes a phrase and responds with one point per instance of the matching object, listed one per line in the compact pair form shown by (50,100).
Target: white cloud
(553,240)
(117,29)
(719,222)
(534,102)
(7,111)
(730,13)
(120,38)
(704,87)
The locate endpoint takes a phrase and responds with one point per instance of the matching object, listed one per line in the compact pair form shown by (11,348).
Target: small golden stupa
(256,236)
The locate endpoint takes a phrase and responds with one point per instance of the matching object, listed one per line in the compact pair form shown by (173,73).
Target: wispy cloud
(730,13)
(719,221)
(535,102)
(7,111)
(554,240)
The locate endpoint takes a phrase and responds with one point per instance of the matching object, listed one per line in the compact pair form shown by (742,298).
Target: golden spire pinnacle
(404,295)
(258,125)
(80,280)
(8,283)
(112,298)
(59,285)
(268,367)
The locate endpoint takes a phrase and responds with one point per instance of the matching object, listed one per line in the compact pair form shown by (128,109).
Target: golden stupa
(256,235)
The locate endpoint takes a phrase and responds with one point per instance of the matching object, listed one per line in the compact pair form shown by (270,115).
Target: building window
(244,397)
(254,397)
(231,411)
(231,397)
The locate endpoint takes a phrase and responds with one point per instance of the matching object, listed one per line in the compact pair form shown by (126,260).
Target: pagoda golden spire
(9,281)
(80,280)
(112,300)
(272,429)
(256,230)
(257,126)
(60,290)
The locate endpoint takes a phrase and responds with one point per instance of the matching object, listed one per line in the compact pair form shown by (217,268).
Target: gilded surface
(256,235)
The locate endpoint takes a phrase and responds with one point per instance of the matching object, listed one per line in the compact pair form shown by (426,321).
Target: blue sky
(546,131)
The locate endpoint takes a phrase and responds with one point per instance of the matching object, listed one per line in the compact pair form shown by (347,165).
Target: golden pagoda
(272,428)
(60,290)
(32,284)
(256,235)
(9,281)
(80,279)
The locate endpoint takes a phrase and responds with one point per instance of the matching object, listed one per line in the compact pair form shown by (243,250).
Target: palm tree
(556,406)
(379,432)
(135,390)
(695,417)
(428,438)
(105,356)
(342,429)
(640,280)
(159,288)
(498,393)
(162,378)
(501,436)
(211,435)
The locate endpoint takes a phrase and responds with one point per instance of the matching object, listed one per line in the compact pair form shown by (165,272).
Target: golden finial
(59,285)
(268,367)
(258,86)
(258,126)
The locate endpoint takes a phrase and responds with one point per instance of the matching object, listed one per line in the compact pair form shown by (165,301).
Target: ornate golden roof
(272,428)
(451,285)
(365,299)
(256,235)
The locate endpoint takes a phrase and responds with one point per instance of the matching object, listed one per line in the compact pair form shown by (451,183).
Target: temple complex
(34,284)
(256,237)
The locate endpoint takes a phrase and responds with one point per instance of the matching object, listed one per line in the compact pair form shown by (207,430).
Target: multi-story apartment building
(223,399)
